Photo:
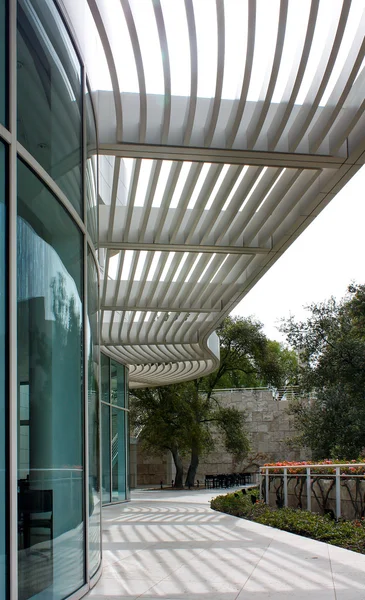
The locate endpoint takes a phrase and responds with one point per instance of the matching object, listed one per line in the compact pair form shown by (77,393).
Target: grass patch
(345,534)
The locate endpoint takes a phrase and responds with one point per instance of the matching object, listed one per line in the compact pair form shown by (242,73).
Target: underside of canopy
(225,127)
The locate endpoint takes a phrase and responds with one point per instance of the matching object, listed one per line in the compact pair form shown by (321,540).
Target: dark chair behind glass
(35,509)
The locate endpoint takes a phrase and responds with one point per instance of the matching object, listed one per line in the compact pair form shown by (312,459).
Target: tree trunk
(178,466)
(194,463)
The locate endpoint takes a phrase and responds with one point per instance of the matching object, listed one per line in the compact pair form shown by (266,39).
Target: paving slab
(169,545)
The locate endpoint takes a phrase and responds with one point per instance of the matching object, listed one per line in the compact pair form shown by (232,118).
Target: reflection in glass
(117,383)
(115,454)
(3,346)
(114,424)
(94,428)
(3,62)
(91,172)
(118,455)
(113,382)
(126,388)
(105,437)
(49,95)
(105,377)
(50,395)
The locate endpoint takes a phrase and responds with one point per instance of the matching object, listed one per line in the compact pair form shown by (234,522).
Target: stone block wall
(268,425)
(151,470)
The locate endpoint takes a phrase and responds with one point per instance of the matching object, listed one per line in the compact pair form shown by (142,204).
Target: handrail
(318,465)
(277,393)
(263,389)
(289,470)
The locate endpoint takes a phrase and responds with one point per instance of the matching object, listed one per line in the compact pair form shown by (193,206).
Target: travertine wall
(152,470)
(268,426)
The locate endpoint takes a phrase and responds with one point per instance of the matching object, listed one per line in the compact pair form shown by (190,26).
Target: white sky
(319,264)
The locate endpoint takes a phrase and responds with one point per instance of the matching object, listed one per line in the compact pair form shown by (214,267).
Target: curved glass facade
(3,62)
(3,363)
(91,171)
(50,362)
(50,402)
(50,95)
(93,416)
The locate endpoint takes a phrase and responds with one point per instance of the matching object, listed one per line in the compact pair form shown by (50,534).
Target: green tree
(248,358)
(189,413)
(180,419)
(207,415)
(161,417)
(331,346)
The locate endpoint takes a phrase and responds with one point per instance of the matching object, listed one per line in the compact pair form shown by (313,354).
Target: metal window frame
(12,258)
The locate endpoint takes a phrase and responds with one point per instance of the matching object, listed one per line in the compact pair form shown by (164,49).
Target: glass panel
(117,383)
(105,437)
(49,95)
(122,473)
(50,395)
(126,374)
(105,377)
(113,382)
(121,386)
(128,435)
(115,454)
(2,372)
(118,455)
(3,62)
(94,428)
(91,172)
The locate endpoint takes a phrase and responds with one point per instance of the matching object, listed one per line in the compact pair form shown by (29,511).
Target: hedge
(345,534)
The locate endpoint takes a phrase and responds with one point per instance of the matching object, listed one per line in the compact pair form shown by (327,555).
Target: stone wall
(151,470)
(268,425)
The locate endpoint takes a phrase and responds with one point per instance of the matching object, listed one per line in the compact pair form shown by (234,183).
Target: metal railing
(291,471)
(285,393)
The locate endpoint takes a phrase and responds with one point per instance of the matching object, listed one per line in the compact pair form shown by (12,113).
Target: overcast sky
(320,263)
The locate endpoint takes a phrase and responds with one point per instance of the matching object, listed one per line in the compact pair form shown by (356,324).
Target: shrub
(346,534)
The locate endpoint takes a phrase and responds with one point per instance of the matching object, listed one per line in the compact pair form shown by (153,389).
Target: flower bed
(296,467)
(345,534)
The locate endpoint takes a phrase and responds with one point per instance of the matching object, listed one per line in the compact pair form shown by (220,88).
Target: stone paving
(170,545)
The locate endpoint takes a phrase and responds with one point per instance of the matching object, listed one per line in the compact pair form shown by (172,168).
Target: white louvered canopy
(225,127)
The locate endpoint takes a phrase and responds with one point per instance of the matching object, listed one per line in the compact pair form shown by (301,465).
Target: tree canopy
(249,359)
(331,348)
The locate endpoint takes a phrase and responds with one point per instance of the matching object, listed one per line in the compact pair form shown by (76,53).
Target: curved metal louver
(230,125)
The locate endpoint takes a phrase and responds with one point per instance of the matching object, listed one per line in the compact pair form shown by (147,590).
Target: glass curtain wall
(58,322)
(105,425)
(94,417)
(56,384)
(91,171)
(50,402)
(3,62)
(50,95)
(114,430)
(3,365)
(3,305)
